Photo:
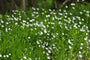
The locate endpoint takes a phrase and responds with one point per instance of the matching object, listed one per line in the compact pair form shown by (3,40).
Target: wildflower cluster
(45,34)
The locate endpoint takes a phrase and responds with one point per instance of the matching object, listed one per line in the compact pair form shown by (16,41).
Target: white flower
(6,30)
(53,9)
(49,51)
(59,9)
(23,24)
(85,38)
(73,4)
(25,57)
(66,6)
(41,33)
(45,31)
(0,55)
(37,8)
(33,15)
(87,15)
(80,56)
(70,13)
(75,26)
(48,57)
(82,19)
(2,25)
(30,20)
(46,48)
(77,0)
(80,23)
(87,11)
(7,55)
(74,18)
(79,52)
(62,33)
(64,10)
(53,18)
(50,10)
(16,23)
(89,40)
(86,33)
(50,48)
(83,0)
(81,13)
(7,23)
(81,43)
(42,9)
(4,56)
(47,15)
(54,47)
(35,58)
(42,13)
(70,47)
(82,30)
(47,54)
(30,59)
(33,8)
(56,33)
(43,52)
(70,42)
(16,19)
(43,46)
(60,13)
(73,7)
(39,45)
(47,44)
(21,59)
(52,27)
(88,47)
(54,36)
(47,25)
(37,42)
(29,37)
(59,22)
(80,47)
(65,16)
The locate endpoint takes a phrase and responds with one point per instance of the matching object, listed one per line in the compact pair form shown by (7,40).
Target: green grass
(45,34)
(0,16)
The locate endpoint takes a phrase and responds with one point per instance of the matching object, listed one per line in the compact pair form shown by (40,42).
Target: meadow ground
(41,34)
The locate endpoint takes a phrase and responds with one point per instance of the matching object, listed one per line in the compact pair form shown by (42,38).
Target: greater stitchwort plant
(41,34)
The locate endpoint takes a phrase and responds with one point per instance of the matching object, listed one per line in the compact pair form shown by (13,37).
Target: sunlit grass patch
(0,16)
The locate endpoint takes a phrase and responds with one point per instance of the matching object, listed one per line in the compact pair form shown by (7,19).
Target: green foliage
(45,34)
(0,16)
(45,4)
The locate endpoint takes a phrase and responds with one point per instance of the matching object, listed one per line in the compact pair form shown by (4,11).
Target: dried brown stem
(65,2)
